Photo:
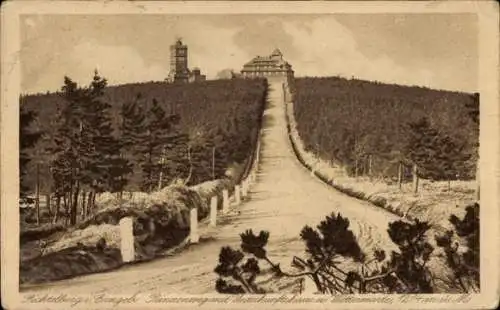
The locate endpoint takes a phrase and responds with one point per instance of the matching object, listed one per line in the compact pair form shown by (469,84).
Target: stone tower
(179,71)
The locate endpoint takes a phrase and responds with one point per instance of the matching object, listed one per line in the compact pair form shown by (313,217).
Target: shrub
(326,246)
(463,258)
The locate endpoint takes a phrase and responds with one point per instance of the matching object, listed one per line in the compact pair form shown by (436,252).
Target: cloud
(136,48)
(119,64)
(324,47)
(213,48)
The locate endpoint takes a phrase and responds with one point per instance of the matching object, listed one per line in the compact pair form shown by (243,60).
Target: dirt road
(284,199)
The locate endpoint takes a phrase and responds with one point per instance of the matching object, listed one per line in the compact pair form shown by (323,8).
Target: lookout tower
(179,71)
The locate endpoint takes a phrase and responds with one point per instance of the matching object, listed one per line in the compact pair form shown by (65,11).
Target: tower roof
(277,52)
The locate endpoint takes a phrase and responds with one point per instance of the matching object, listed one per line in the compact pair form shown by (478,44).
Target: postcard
(250,154)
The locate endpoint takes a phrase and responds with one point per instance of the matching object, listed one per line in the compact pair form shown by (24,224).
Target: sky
(433,50)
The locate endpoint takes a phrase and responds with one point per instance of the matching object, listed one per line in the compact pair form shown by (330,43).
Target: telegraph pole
(162,162)
(213,163)
(37,194)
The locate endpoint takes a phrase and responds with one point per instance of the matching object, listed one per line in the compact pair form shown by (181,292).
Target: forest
(87,139)
(384,130)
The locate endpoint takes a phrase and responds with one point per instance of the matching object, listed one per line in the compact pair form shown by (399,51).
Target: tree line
(85,140)
(383,130)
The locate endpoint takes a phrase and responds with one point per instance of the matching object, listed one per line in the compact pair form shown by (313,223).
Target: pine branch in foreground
(327,246)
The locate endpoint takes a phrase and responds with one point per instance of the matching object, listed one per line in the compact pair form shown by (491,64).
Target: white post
(258,153)
(237,195)
(193,226)
(225,201)
(244,188)
(127,239)
(213,211)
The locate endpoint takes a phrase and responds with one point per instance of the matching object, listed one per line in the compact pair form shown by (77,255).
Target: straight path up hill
(284,199)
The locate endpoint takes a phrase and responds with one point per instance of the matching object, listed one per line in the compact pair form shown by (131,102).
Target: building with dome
(272,66)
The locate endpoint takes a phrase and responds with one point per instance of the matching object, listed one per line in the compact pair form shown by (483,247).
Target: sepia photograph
(161,155)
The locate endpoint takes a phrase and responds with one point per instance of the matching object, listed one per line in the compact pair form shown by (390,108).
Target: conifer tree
(86,154)
(473,111)
(28,137)
(437,155)
(162,134)
(219,144)
(423,147)
(451,160)
(69,145)
(133,133)
(106,167)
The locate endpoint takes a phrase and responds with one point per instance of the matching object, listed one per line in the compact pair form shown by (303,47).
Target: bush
(463,258)
(403,272)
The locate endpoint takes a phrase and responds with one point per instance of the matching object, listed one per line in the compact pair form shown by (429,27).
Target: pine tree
(162,134)
(473,111)
(133,133)
(106,168)
(69,145)
(86,153)
(423,147)
(28,137)
(219,145)
(451,160)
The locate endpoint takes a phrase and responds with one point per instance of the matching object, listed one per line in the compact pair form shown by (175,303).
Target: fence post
(370,173)
(400,175)
(193,226)
(237,195)
(225,201)
(127,239)
(213,211)
(258,150)
(244,188)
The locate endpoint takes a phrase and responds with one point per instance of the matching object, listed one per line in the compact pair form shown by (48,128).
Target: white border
(488,88)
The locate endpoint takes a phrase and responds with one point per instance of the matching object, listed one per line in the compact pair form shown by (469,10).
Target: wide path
(284,199)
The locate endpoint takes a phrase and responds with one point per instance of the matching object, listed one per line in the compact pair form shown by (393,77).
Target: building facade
(179,69)
(272,66)
(196,76)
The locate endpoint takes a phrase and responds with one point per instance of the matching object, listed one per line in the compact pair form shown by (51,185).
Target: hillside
(136,137)
(366,126)
(209,111)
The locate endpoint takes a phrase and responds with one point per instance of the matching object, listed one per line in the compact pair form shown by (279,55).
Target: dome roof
(277,52)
